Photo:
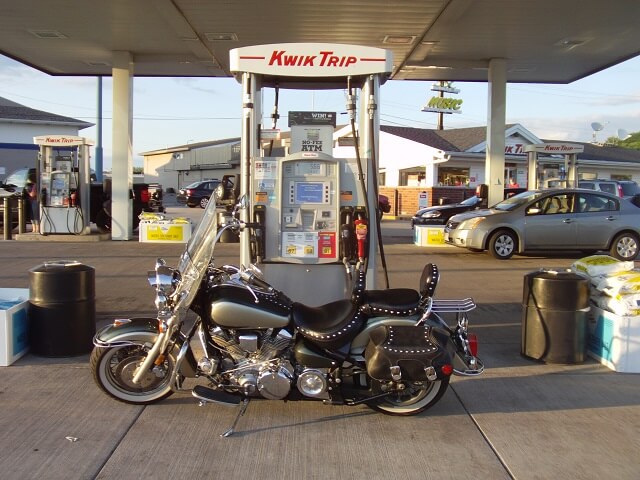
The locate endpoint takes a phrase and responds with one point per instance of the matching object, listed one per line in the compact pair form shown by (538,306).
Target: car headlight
(434,214)
(471,223)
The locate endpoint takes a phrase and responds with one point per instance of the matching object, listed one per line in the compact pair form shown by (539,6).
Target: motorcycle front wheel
(113,370)
(415,398)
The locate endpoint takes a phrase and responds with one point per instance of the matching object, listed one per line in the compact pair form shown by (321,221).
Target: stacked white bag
(615,284)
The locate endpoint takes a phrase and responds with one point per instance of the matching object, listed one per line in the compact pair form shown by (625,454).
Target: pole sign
(310,60)
(442,104)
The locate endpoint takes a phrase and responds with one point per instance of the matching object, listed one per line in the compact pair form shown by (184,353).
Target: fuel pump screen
(310,192)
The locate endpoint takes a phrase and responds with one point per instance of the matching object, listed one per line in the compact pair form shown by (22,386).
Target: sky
(177,111)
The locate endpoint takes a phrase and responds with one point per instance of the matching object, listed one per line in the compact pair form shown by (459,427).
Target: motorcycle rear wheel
(415,398)
(113,369)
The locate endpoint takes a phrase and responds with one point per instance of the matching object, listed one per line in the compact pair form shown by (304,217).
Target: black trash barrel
(62,308)
(554,316)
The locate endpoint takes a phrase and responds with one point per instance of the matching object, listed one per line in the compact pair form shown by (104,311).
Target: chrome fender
(144,331)
(127,330)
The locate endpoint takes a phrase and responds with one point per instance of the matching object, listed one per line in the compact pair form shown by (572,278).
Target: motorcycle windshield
(197,255)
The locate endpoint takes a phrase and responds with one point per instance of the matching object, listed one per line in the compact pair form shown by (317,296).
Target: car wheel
(625,246)
(502,244)
(203,202)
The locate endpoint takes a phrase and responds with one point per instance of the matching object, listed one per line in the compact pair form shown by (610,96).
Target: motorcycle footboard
(413,353)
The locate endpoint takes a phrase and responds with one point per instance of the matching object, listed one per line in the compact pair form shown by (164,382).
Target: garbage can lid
(61,263)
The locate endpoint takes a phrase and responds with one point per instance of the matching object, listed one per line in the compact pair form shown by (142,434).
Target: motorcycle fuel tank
(236,307)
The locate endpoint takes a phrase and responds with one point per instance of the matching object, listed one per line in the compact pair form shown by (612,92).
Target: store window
(412,178)
(453,176)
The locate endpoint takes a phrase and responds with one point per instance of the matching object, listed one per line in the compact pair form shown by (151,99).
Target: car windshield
(193,185)
(470,202)
(517,200)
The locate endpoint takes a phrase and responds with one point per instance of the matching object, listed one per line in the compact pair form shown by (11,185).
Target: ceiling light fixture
(47,34)
(221,37)
(399,39)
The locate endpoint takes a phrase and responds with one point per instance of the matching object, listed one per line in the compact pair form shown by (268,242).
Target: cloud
(578,128)
(195,85)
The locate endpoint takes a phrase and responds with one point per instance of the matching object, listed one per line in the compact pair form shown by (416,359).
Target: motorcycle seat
(330,325)
(399,302)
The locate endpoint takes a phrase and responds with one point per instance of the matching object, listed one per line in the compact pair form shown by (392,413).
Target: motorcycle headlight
(163,278)
(471,223)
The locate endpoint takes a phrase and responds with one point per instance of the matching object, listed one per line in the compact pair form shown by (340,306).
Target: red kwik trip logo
(323,59)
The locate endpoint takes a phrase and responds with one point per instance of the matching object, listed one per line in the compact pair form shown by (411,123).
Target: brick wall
(404,200)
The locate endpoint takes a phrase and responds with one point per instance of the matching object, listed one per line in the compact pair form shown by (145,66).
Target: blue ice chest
(614,340)
(14,324)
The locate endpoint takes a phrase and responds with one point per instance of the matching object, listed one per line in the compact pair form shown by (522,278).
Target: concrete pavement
(520,419)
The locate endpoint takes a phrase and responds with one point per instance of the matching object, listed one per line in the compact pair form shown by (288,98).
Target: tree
(632,141)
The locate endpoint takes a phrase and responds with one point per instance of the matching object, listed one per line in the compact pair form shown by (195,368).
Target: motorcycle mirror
(241,205)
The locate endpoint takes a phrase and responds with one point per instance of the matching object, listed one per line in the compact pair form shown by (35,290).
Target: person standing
(31,190)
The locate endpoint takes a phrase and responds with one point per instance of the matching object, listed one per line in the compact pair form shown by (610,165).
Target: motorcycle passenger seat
(399,302)
(429,280)
(330,325)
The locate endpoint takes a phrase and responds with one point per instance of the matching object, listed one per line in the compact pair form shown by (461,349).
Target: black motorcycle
(388,349)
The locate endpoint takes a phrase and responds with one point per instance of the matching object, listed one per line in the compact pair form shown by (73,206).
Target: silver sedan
(559,219)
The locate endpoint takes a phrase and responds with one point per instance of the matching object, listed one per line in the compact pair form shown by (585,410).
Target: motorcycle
(390,350)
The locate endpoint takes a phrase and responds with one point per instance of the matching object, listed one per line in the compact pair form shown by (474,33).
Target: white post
(122,156)
(494,166)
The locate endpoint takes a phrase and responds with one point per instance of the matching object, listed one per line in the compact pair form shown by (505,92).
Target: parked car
(197,193)
(543,220)
(147,197)
(620,188)
(228,191)
(440,214)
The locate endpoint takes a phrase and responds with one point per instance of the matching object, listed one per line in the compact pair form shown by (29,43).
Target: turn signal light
(446,369)
(473,344)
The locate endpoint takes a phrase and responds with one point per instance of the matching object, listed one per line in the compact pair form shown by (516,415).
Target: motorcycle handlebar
(254,280)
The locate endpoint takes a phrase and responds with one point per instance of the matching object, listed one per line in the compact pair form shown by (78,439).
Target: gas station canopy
(545,41)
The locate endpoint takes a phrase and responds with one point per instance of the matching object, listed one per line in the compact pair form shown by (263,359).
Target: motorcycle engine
(254,365)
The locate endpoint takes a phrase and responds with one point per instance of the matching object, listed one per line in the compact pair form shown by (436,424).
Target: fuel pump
(312,205)
(64,183)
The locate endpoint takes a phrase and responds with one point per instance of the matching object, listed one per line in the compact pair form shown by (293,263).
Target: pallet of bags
(614,319)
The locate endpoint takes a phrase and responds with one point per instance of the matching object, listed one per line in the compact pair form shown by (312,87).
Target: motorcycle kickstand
(243,408)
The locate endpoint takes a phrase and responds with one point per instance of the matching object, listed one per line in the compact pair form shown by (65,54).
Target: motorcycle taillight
(473,344)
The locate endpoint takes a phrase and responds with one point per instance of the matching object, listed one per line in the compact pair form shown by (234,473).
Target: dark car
(440,214)
(147,197)
(197,193)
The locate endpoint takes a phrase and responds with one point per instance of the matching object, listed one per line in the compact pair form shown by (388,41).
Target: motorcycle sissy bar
(207,395)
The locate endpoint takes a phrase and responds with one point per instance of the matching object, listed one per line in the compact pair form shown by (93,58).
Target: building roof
(15,113)
(191,146)
(464,139)
(452,140)
(606,153)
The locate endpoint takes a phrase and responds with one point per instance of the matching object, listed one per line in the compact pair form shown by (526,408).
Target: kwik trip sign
(310,60)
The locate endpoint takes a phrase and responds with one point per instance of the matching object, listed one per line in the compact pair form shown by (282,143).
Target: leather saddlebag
(406,351)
